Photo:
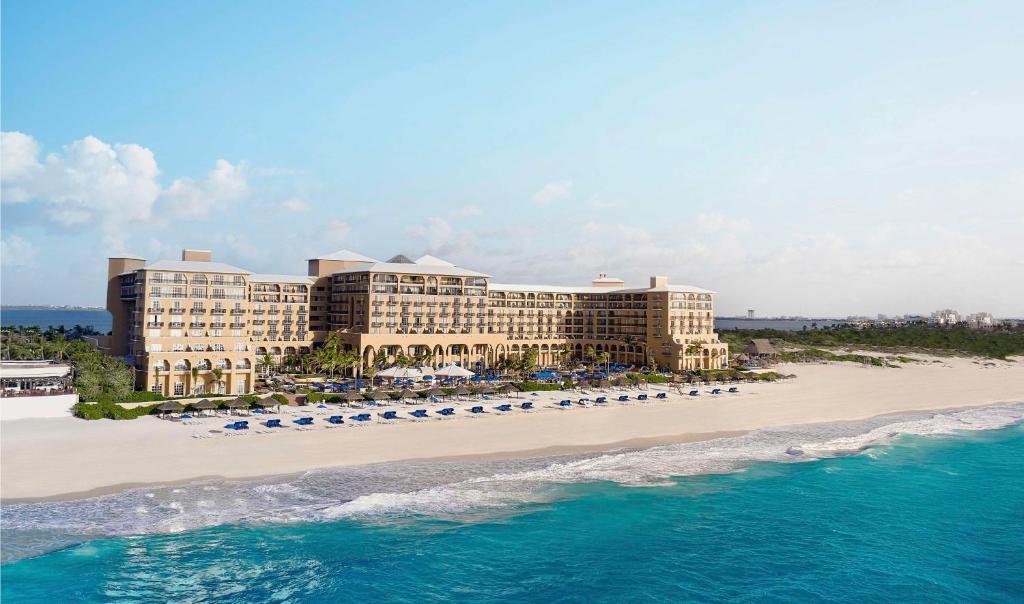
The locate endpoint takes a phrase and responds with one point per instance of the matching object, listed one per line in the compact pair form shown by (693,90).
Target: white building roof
(563,289)
(413,269)
(432,261)
(346,256)
(32,369)
(193,266)
(263,278)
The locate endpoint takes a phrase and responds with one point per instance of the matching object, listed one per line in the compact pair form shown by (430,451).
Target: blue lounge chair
(334,419)
(389,415)
(641,397)
(734,390)
(303,421)
(694,393)
(565,404)
(526,406)
(446,412)
(419,414)
(477,409)
(661,395)
(600,400)
(716,391)
(504,407)
(623,398)
(274,423)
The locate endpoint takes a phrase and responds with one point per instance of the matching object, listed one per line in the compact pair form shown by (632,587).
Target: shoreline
(69,459)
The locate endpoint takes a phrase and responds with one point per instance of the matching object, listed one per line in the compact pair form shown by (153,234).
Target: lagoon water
(925,507)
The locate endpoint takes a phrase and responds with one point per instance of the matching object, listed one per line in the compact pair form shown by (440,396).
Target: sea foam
(454,491)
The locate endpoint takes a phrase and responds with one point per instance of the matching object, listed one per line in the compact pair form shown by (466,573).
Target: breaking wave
(454,491)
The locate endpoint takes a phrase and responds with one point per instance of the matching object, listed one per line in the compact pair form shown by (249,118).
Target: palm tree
(603,358)
(589,352)
(195,378)
(268,362)
(218,373)
(694,350)
(60,347)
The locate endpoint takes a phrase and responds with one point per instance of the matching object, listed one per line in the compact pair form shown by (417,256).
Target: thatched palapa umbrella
(171,407)
(407,393)
(353,396)
(205,405)
(461,391)
(238,403)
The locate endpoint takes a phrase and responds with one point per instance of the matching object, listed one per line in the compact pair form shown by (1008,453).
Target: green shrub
(537,386)
(109,410)
(280,398)
(315,397)
(333,398)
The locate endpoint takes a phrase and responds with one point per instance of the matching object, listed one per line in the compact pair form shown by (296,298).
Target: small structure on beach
(34,389)
(761,349)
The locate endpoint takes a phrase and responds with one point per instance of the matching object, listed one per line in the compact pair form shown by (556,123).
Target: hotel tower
(198,326)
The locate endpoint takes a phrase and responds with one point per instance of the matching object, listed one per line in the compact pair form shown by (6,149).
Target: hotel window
(178,347)
(179,389)
(239,347)
(154,348)
(198,292)
(156,293)
(236,333)
(156,388)
(154,333)
(218,347)
(195,333)
(217,333)
(175,333)
(240,388)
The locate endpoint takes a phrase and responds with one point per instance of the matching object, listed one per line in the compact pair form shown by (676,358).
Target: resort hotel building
(195,325)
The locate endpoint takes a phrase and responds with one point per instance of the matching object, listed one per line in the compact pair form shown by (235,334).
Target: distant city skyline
(820,160)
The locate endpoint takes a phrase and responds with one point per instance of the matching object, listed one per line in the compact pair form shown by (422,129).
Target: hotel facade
(198,326)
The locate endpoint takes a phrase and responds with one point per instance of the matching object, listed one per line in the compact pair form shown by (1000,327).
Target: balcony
(198,310)
(177,325)
(155,310)
(237,311)
(197,324)
(155,324)
(218,311)
(218,325)
(177,311)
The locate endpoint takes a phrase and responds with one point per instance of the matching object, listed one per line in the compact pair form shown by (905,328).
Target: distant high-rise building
(945,317)
(750,313)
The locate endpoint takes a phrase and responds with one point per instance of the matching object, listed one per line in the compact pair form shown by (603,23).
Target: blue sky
(799,158)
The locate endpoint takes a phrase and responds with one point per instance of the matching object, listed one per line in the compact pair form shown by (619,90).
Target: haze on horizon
(820,159)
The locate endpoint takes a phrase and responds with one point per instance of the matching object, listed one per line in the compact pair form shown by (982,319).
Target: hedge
(109,410)
(537,386)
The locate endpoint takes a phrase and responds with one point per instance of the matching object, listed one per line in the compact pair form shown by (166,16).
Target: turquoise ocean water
(913,508)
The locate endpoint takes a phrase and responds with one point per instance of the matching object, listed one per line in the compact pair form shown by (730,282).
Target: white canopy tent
(453,371)
(402,373)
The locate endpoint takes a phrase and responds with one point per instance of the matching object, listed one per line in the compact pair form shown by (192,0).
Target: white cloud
(90,182)
(295,204)
(441,239)
(188,198)
(467,211)
(552,192)
(335,231)
(717,222)
(16,252)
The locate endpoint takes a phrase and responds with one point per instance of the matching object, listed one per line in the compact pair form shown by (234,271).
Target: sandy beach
(72,458)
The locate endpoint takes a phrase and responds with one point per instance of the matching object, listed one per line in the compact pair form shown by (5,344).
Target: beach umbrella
(240,404)
(263,402)
(462,391)
(204,404)
(453,371)
(171,407)
(352,397)
(407,393)
(486,389)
